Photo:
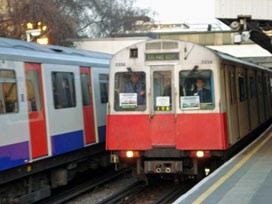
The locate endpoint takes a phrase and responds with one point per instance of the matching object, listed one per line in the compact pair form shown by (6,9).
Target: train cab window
(33,91)
(130,92)
(162,89)
(85,87)
(196,90)
(63,90)
(104,87)
(8,92)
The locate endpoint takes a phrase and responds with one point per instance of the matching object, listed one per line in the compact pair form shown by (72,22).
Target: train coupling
(163,167)
(114,158)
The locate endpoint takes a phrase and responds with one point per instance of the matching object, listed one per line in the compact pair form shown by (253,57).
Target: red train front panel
(187,132)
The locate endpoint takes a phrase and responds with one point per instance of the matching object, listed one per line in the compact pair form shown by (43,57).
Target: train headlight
(129,154)
(200,154)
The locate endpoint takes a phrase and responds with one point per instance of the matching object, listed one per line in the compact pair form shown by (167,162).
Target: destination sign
(162,56)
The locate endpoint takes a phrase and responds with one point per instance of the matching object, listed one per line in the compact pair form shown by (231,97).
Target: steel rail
(175,193)
(82,188)
(126,194)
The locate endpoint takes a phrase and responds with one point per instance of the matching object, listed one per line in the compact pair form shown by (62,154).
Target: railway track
(90,184)
(127,194)
(139,192)
(175,193)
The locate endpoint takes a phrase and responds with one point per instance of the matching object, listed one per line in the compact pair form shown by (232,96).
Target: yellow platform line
(231,172)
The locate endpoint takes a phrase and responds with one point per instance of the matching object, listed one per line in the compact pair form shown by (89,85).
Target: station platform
(246,178)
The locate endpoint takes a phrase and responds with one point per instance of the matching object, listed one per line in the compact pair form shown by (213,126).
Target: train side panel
(64,108)
(14,134)
(100,78)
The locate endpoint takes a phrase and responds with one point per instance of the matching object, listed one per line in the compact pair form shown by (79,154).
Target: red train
(173,103)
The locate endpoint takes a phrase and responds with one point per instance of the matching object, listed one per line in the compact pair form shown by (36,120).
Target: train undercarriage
(169,162)
(36,181)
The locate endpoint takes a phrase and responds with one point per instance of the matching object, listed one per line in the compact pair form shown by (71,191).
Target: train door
(268,95)
(232,113)
(88,112)
(36,112)
(162,106)
(266,99)
(242,101)
(260,97)
(252,99)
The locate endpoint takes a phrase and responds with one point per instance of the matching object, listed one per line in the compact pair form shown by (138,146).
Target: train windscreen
(196,90)
(130,91)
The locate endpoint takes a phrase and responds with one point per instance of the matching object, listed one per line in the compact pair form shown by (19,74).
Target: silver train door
(162,106)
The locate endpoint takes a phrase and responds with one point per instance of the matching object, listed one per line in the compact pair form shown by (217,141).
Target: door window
(104,87)
(162,89)
(85,87)
(33,91)
(63,90)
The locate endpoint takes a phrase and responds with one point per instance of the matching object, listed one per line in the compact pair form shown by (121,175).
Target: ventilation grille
(169,45)
(153,46)
(161,45)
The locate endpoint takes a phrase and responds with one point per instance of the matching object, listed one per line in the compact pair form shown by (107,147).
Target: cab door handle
(175,105)
(151,111)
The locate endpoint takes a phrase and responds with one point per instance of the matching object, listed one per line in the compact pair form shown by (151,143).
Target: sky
(179,10)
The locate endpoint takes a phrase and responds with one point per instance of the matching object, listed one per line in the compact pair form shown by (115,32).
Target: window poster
(128,100)
(163,101)
(189,102)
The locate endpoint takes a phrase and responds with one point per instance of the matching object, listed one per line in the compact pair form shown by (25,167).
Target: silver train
(52,114)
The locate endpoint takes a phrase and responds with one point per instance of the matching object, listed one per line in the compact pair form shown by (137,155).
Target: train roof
(11,49)
(217,53)
(235,59)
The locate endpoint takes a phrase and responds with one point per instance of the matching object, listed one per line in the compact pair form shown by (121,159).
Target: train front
(165,110)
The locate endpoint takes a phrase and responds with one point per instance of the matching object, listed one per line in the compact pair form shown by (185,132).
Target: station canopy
(254,16)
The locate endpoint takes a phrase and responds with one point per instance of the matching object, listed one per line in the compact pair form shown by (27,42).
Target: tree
(19,13)
(112,16)
(66,19)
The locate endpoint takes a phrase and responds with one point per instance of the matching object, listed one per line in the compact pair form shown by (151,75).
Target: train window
(260,86)
(104,77)
(242,89)
(33,91)
(85,87)
(8,92)
(162,90)
(233,83)
(104,87)
(251,87)
(134,53)
(231,88)
(271,85)
(63,90)
(264,85)
(130,93)
(196,90)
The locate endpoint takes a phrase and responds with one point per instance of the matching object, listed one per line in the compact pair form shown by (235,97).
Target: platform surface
(245,179)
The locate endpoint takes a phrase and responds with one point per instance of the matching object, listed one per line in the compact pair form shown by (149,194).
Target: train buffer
(244,179)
